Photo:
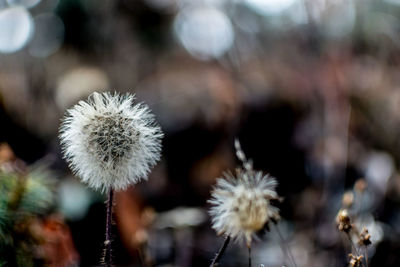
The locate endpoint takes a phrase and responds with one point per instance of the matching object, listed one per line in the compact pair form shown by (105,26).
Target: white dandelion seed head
(241,205)
(109,142)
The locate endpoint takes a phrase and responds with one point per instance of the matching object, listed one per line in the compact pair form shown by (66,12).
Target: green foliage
(23,197)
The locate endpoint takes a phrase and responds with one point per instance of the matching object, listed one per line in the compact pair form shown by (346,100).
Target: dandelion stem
(107,243)
(249,247)
(221,251)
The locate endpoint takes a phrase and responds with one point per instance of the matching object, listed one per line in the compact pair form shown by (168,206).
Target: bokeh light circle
(16,28)
(205,32)
(48,37)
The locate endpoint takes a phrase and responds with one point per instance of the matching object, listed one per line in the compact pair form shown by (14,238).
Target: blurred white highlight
(205,32)
(379,167)
(24,3)
(16,28)
(269,7)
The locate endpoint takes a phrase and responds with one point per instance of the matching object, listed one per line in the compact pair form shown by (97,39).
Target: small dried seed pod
(364,238)
(360,185)
(348,199)
(355,261)
(343,221)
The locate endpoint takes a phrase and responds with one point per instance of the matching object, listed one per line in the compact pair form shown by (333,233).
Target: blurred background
(310,87)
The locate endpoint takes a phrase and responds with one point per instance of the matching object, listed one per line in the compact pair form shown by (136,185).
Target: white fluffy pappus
(241,204)
(109,142)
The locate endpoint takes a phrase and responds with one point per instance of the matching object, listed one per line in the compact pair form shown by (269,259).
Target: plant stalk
(107,242)
(249,247)
(220,252)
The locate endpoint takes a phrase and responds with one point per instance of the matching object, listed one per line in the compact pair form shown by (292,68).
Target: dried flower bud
(140,237)
(239,152)
(364,238)
(6,153)
(109,142)
(355,261)
(360,185)
(348,199)
(343,221)
(247,164)
(148,216)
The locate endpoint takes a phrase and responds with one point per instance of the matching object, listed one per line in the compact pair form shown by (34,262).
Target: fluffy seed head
(109,142)
(241,204)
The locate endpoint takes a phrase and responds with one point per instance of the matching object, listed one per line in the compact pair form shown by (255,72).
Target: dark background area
(310,88)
